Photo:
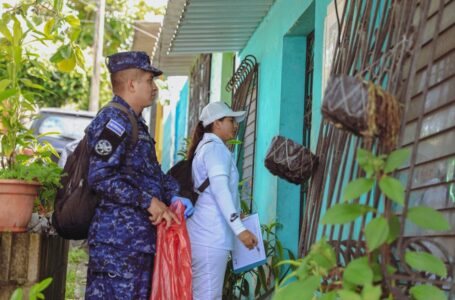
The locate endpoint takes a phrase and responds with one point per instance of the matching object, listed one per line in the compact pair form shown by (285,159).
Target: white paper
(244,259)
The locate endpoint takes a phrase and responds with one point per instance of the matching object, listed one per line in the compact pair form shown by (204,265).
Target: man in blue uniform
(134,192)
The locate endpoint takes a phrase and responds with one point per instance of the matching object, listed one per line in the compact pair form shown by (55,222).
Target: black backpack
(75,202)
(182,173)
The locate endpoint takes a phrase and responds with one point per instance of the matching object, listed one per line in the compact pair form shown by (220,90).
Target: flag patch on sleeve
(115,127)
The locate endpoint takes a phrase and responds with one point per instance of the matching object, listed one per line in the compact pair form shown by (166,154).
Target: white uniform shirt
(216,219)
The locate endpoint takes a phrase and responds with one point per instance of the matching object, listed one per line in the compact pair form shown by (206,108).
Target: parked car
(69,126)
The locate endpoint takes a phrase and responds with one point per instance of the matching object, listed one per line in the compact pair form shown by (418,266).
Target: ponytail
(198,133)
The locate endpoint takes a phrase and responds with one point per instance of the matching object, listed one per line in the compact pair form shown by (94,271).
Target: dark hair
(198,133)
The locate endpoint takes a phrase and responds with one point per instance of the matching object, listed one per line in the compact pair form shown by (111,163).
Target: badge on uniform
(112,135)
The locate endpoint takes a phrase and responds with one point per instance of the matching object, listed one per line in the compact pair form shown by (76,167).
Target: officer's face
(147,91)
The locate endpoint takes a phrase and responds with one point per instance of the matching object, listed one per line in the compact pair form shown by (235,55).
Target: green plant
(35,291)
(75,276)
(237,286)
(317,276)
(183,151)
(21,156)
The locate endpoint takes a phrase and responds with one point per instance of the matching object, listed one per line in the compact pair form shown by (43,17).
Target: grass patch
(76,275)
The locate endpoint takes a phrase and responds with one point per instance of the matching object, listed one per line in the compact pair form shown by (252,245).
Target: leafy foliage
(35,291)
(425,292)
(237,286)
(21,156)
(361,278)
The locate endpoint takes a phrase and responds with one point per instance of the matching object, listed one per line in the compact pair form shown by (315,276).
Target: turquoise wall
(181,118)
(279,46)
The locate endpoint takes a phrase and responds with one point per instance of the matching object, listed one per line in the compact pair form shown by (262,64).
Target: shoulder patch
(109,140)
(115,127)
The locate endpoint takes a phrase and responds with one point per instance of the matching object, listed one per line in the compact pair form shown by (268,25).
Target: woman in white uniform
(216,220)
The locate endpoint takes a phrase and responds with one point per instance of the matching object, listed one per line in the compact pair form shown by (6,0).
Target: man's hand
(159,212)
(189,209)
(248,239)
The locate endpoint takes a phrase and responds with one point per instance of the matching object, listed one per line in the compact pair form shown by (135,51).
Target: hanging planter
(16,200)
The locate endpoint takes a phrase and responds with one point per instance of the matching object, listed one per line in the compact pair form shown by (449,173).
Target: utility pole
(97,55)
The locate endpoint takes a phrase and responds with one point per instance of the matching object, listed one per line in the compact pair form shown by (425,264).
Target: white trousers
(209,266)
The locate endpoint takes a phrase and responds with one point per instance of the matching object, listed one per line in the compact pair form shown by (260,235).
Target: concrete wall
(27,258)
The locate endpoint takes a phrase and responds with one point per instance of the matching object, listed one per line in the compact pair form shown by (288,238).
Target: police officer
(134,192)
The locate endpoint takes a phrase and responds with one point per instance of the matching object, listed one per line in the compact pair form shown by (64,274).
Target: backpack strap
(206,182)
(133,122)
(203,186)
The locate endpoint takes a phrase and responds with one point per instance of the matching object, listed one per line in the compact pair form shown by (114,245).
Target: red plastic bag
(172,272)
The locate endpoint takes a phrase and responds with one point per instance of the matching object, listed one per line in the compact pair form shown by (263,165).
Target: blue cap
(131,60)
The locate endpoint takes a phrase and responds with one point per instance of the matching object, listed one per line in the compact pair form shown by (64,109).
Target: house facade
(275,58)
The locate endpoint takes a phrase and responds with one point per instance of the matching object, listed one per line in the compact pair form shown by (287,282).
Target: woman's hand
(248,239)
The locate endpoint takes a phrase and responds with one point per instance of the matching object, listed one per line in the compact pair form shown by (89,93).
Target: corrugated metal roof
(145,36)
(191,27)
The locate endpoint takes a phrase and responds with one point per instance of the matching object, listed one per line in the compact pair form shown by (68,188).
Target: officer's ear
(131,85)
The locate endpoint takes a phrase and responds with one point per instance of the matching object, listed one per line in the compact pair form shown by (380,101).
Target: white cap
(217,110)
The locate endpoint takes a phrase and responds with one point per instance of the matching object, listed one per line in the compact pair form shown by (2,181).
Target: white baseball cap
(217,110)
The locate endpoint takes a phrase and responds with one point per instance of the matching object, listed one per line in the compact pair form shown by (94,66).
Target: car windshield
(67,126)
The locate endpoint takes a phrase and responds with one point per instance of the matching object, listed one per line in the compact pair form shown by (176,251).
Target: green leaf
(357,187)
(329,296)
(7,93)
(58,5)
(426,292)
(67,65)
(301,289)
(4,84)
(376,233)
(370,292)
(358,272)
(396,159)
(429,218)
(17,32)
(74,34)
(390,269)
(66,51)
(5,31)
(29,83)
(394,229)
(18,294)
(345,213)
(365,158)
(73,21)
(79,56)
(377,272)
(348,295)
(44,284)
(423,261)
(234,142)
(392,188)
(49,26)
(56,57)
(17,55)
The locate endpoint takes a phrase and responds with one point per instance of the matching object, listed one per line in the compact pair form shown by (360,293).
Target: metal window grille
(407,47)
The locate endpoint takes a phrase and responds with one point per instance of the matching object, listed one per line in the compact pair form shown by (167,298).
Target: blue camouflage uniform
(121,237)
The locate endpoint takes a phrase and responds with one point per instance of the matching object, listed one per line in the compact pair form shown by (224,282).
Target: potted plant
(26,168)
